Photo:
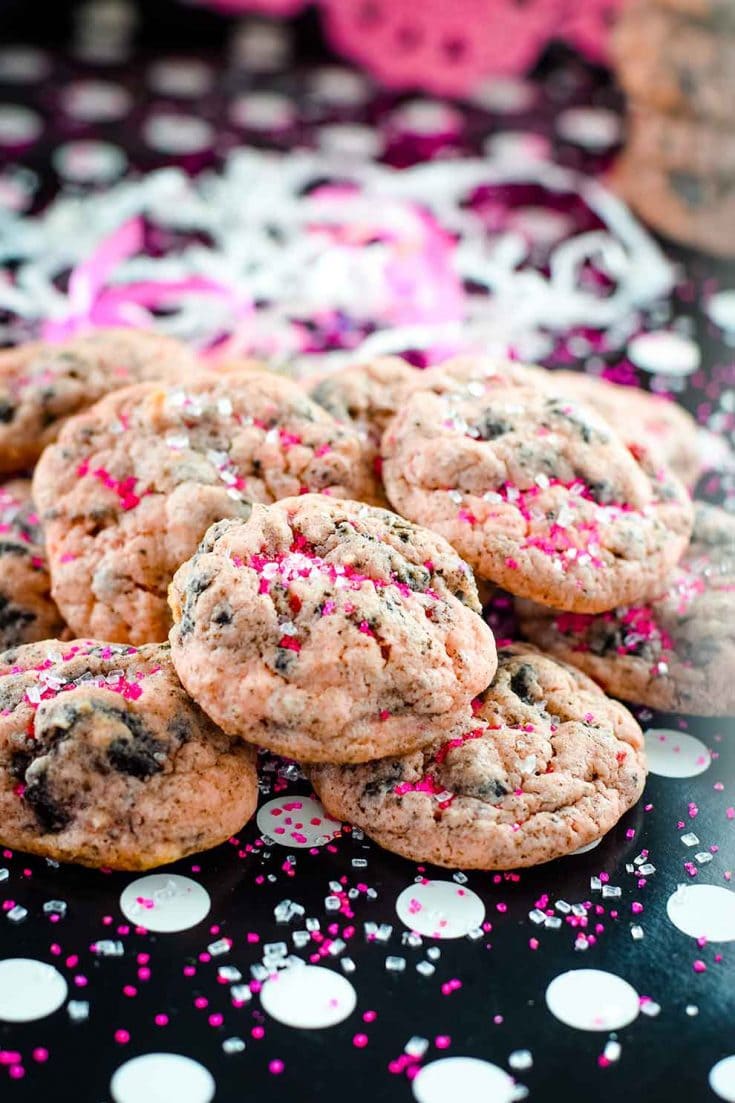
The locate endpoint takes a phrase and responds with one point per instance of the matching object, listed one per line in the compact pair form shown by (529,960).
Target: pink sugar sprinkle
(699,966)
(360,1041)
(123,488)
(161,1019)
(122,1037)
(442,1041)
(40,1054)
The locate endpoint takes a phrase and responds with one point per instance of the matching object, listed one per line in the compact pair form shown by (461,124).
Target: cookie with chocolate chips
(676,66)
(105,760)
(132,485)
(674,653)
(687,206)
(41,385)
(639,418)
(538,493)
(328,630)
(27,610)
(547,764)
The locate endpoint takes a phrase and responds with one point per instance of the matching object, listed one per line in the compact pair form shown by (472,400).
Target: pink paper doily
(448,46)
(587,26)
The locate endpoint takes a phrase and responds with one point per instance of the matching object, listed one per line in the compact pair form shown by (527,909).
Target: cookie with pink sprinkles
(27,610)
(329,631)
(675,652)
(538,494)
(132,485)
(41,385)
(547,764)
(639,417)
(105,760)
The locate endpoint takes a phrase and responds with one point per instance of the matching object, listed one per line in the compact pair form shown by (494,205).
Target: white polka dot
(592,128)
(342,87)
(87,162)
(440,909)
(584,849)
(186,78)
(18,125)
(591,999)
(22,64)
(350,140)
(720,308)
(722,1079)
(465,1078)
(504,95)
(160,1078)
(427,117)
(514,147)
(308,997)
(297,822)
(177,133)
(263,111)
(664,353)
(703,911)
(165,902)
(95,100)
(29,990)
(260,47)
(675,754)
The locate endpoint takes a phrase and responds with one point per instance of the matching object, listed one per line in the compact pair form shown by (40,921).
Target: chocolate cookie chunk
(42,385)
(675,653)
(105,761)
(27,610)
(538,493)
(132,485)
(547,765)
(329,630)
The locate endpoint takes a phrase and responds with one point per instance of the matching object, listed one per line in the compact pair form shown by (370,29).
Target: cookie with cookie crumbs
(675,653)
(329,630)
(132,485)
(364,395)
(538,494)
(27,610)
(105,760)
(639,418)
(368,396)
(547,764)
(41,385)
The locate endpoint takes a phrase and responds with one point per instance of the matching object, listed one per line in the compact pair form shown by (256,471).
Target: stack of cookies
(676,61)
(220,574)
